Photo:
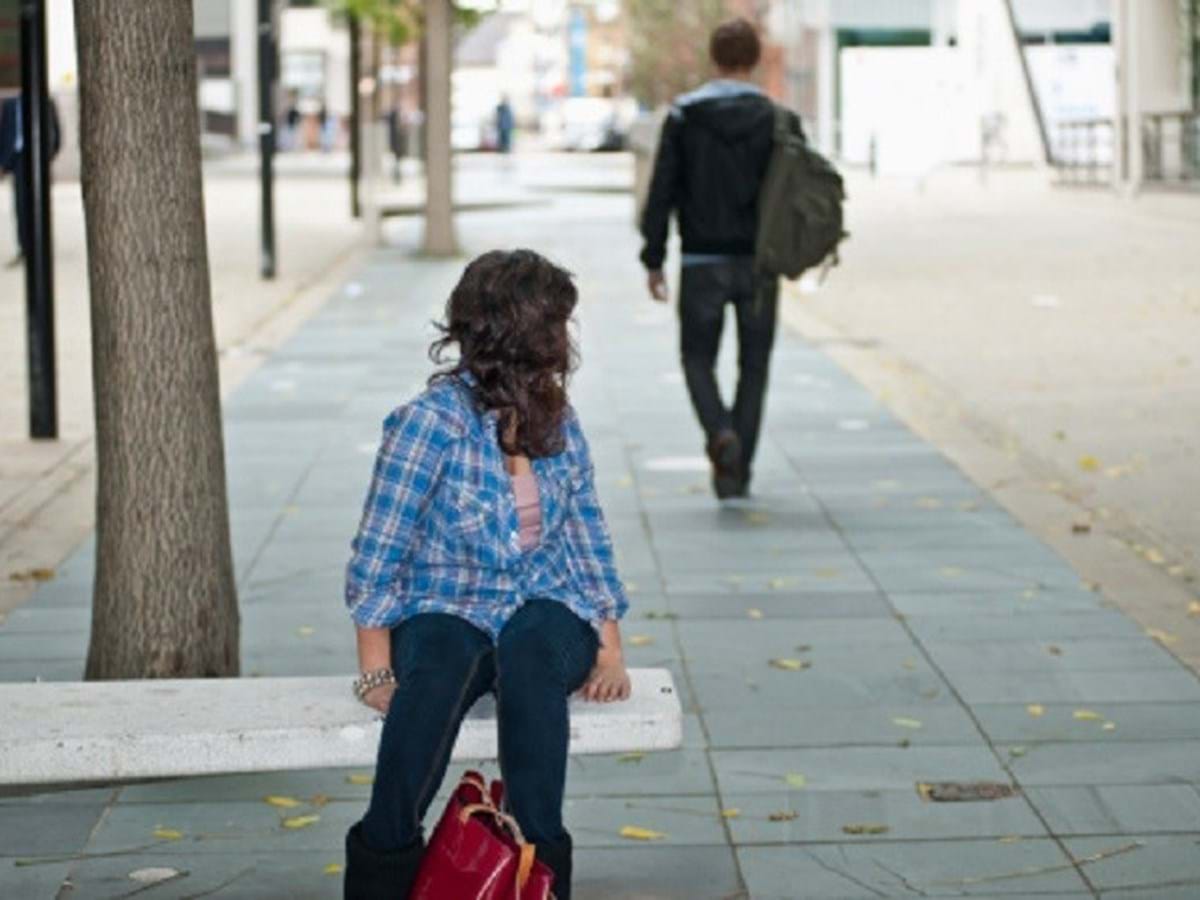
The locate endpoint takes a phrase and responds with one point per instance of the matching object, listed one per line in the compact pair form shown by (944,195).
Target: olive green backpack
(799,207)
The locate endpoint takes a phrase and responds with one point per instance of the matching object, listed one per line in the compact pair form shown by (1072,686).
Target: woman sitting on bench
(483,563)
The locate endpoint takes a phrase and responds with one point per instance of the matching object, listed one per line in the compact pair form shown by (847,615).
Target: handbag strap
(524,866)
(525,850)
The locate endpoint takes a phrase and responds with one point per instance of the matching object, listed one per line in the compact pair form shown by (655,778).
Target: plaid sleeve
(406,471)
(588,538)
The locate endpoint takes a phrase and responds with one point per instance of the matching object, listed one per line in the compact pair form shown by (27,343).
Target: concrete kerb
(57,513)
(1017,479)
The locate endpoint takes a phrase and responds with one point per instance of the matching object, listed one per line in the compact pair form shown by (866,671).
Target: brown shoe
(725,451)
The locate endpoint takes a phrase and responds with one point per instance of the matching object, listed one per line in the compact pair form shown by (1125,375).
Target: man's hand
(656,281)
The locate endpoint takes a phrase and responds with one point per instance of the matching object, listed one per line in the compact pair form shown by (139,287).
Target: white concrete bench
(113,731)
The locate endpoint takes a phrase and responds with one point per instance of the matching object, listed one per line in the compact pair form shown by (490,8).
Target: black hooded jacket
(712,158)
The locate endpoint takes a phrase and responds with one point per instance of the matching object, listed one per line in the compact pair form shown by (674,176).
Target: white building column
(243,40)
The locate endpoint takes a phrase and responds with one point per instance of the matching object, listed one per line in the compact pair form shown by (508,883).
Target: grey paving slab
(47,829)
(17,647)
(1012,723)
(41,670)
(816,688)
(682,821)
(31,881)
(1118,809)
(1143,762)
(1064,654)
(800,817)
(780,637)
(683,772)
(215,827)
(227,872)
(851,768)
(662,873)
(1091,686)
(994,603)
(1159,866)
(783,604)
(935,869)
(761,726)
(333,784)
(1045,626)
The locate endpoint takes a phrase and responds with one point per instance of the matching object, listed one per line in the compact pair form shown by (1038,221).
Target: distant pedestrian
(12,154)
(505,122)
(712,159)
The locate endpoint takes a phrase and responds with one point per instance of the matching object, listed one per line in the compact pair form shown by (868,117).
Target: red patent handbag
(477,851)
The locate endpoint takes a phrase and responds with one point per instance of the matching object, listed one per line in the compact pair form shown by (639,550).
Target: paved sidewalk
(920,636)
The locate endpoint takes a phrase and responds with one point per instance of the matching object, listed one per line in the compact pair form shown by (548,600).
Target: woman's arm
(375,652)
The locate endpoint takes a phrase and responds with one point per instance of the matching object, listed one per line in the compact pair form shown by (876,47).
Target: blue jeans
(443,665)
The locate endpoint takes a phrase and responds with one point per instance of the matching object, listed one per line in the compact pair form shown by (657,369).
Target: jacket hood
(732,118)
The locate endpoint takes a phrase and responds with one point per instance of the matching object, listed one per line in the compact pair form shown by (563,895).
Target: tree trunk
(440,239)
(165,604)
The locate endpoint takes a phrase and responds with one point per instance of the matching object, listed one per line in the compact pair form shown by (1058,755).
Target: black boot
(371,875)
(558,857)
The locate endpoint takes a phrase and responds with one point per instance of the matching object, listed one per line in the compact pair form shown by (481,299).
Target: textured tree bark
(165,603)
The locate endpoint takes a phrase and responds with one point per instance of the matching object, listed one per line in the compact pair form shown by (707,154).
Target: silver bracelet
(368,681)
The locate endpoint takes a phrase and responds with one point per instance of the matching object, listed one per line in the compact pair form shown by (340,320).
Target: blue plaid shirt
(439,532)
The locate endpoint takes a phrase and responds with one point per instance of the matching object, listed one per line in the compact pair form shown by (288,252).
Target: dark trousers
(704,291)
(443,665)
(22,198)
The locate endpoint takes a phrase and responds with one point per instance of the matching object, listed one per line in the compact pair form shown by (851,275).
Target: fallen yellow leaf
(360,778)
(865,828)
(906,723)
(1194,608)
(634,833)
(1010,839)
(777,584)
(1089,463)
(306,631)
(730,813)
(640,640)
(782,816)
(1086,715)
(754,613)
(950,571)
(1163,637)
(631,757)
(1154,556)
(795,780)
(168,834)
(754,517)
(1036,710)
(282,802)
(333,869)
(32,575)
(301,821)
(790,665)
(1109,726)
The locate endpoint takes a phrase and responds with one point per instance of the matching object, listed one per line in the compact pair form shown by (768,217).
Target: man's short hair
(734,46)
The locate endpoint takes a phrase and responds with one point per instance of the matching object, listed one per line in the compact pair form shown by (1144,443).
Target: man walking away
(12,151)
(712,158)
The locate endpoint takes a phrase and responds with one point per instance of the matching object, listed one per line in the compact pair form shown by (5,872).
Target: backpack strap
(783,125)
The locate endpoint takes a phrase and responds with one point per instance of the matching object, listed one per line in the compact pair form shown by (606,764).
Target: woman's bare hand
(609,681)
(380,698)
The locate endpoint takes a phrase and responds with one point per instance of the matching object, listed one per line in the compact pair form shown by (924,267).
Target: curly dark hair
(734,46)
(509,316)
